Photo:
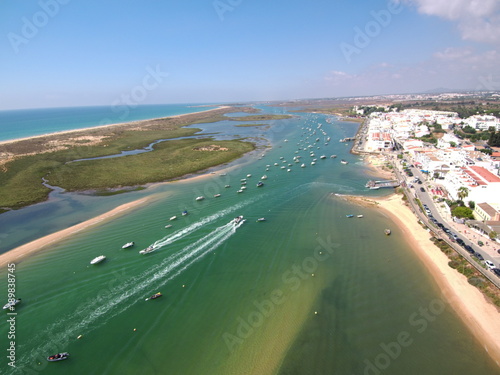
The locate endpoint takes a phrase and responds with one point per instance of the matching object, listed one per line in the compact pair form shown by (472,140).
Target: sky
(60,53)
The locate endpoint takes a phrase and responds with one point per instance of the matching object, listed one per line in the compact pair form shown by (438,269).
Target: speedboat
(147,250)
(216,195)
(303,165)
(237,219)
(128,244)
(260,183)
(200,198)
(184,213)
(154,296)
(264,177)
(322,157)
(98,259)
(261,219)
(344,162)
(10,304)
(249,175)
(58,357)
(359,216)
(387,232)
(349,215)
(173,218)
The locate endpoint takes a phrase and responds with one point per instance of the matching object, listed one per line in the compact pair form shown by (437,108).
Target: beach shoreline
(479,315)
(19,253)
(101,127)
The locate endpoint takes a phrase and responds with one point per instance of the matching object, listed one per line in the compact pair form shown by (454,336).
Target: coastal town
(454,182)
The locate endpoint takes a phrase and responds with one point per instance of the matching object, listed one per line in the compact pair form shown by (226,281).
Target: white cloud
(478,20)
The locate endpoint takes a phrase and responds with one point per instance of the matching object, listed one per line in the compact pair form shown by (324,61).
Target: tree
(462,212)
(462,193)
(493,235)
(472,205)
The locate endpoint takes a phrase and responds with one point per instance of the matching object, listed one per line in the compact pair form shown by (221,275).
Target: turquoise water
(30,122)
(308,291)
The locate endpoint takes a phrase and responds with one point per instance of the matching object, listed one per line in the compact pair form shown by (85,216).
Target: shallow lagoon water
(308,291)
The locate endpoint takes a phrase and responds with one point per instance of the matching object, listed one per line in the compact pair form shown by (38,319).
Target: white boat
(249,175)
(264,177)
(344,162)
(98,259)
(333,156)
(12,303)
(200,198)
(322,157)
(243,187)
(303,165)
(313,162)
(240,191)
(147,250)
(261,219)
(173,218)
(184,213)
(168,226)
(359,216)
(276,164)
(238,219)
(216,195)
(283,167)
(58,357)
(243,179)
(128,244)
(227,186)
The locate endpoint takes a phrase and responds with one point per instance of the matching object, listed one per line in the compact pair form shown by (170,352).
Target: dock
(372,184)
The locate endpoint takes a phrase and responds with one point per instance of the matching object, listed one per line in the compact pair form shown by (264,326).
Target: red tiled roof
(485,174)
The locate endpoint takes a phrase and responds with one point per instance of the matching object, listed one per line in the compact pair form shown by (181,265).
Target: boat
(249,175)
(168,226)
(154,296)
(313,163)
(260,183)
(322,157)
(264,177)
(227,186)
(303,165)
(147,250)
(173,218)
(276,164)
(10,304)
(216,195)
(243,183)
(243,187)
(240,191)
(387,232)
(359,216)
(184,213)
(128,244)
(344,162)
(349,215)
(98,259)
(57,357)
(261,219)
(243,179)
(200,198)
(333,156)
(237,219)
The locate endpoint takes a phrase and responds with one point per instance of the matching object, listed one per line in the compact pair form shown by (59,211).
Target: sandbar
(17,254)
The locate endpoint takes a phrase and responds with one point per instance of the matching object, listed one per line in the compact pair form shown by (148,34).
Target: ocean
(31,122)
(307,291)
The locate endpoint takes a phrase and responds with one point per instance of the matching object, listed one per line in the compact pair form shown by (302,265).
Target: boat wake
(97,312)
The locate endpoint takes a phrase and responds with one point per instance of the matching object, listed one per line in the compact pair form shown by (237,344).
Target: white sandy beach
(481,316)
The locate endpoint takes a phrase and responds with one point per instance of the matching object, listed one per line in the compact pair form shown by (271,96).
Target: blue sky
(56,53)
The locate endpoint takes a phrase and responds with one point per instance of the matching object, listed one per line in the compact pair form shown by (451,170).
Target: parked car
(422,190)
(478,256)
(469,249)
(489,264)
(460,242)
(497,271)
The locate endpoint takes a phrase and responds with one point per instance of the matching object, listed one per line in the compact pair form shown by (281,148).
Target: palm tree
(462,193)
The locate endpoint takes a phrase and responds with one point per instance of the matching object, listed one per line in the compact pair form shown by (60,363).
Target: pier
(382,184)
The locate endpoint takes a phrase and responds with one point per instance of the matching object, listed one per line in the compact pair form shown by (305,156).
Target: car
(489,264)
(419,182)
(440,225)
(446,230)
(497,271)
(460,242)
(422,190)
(478,256)
(469,249)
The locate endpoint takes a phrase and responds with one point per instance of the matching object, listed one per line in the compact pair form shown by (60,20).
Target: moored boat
(173,218)
(216,195)
(260,183)
(168,226)
(349,216)
(387,231)
(344,162)
(359,216)
(128,244)
(58,357)
(12,303)
(184,213)
(261,219)
(154,296)
(264,177)
(200,198)
(98,259)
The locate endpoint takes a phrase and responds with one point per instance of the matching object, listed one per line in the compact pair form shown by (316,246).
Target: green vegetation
(494,139)
(259,117)
(462,212)
(474,277)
